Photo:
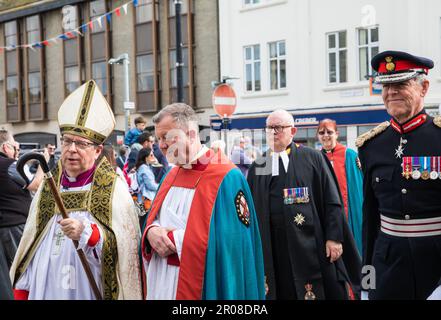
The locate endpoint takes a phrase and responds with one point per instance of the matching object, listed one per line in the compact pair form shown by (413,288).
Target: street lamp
(179,62)
(124,60)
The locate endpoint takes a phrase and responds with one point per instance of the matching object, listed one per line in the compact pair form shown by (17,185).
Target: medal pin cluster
(296,195)
(424,168)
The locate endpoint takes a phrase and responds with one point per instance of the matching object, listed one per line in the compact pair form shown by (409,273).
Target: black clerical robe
(306,227)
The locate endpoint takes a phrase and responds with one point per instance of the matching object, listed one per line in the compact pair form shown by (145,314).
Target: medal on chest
(416,174)
(425,175)
(400,149)
(407,167)
(434,165)
(309,295)
(295,195)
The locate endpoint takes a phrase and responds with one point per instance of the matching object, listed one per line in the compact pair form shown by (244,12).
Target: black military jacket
(386,190)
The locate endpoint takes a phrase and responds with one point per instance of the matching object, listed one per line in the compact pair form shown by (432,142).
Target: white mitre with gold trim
(86,113)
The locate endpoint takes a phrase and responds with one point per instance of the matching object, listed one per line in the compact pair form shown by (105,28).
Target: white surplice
(162,278)
(56,272)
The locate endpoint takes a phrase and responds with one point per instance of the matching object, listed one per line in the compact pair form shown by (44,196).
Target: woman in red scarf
(349,176)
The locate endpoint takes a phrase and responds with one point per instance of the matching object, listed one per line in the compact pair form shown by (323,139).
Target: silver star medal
(400,150)
(299,219)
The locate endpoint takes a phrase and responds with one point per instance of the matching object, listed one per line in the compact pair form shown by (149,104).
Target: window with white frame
(368,47)
(252,68)
(277,54)
(337,57)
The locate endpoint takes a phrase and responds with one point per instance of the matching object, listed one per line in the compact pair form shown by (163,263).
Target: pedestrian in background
(347,170)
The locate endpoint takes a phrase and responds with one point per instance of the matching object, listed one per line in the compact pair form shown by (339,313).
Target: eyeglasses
(277,129)
(66,142)
(322,133)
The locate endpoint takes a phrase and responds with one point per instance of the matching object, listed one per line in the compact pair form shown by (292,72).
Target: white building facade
(312,58)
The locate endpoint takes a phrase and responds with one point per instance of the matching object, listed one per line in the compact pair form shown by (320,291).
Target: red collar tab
(409,125)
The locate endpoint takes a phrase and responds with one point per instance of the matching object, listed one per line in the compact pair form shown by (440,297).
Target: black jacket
(324,220)
(14,199)
(386,191)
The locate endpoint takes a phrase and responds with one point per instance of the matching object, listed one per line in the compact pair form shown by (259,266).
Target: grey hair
(282,114)
(420,78)
(181,113)
(5,136)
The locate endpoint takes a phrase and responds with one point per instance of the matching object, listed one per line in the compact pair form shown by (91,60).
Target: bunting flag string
(79,31)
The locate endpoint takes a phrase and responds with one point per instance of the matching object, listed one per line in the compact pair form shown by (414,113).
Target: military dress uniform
(402,194)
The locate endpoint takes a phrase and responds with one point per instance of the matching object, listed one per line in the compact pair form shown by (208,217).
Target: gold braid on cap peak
(361,140)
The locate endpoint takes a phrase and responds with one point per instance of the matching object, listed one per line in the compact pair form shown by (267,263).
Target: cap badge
(390,66)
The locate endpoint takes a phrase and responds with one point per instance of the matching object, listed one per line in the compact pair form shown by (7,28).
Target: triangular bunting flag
(76,32)
(100,22)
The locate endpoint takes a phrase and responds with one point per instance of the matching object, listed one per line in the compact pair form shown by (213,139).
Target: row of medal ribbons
(424,168)
(296,195)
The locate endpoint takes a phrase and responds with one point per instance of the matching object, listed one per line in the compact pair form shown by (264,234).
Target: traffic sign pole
(224,103)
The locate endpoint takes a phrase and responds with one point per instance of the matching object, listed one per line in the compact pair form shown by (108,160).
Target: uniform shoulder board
(361,140)
(437,121)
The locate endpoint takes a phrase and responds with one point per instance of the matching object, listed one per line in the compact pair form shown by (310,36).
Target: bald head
(280,130)
(281,116)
